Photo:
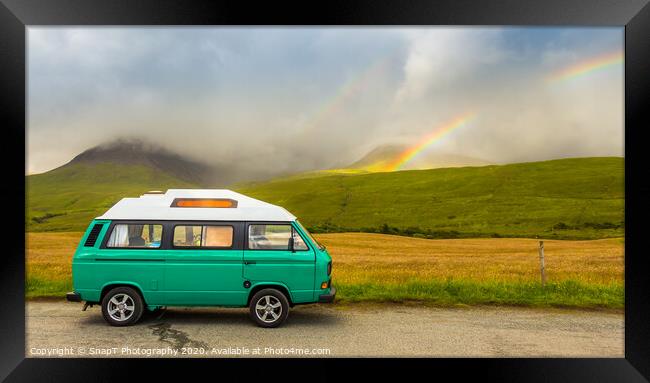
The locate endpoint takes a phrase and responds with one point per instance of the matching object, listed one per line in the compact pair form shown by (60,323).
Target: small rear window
(94,233)
(135,236)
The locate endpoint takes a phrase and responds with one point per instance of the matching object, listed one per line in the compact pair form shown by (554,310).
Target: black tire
(113,312)
(271,315)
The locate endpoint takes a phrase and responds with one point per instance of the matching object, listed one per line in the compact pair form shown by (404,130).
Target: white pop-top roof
(157,207)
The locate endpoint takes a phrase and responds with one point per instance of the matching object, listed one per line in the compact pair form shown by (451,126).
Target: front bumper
(327,298)
(73,297)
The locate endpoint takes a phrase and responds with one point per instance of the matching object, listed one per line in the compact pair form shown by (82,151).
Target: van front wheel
(269,308)
(122,306)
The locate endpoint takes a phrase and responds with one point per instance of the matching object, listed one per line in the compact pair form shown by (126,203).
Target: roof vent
(204,202)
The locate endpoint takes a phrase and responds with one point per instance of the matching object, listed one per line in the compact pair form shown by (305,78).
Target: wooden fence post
(541,262)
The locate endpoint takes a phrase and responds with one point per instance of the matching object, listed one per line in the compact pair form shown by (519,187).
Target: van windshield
(320,245)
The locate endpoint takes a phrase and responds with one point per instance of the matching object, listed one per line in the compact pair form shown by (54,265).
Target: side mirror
(291,244)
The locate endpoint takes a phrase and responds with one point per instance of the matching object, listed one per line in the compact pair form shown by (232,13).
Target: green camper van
(189,247)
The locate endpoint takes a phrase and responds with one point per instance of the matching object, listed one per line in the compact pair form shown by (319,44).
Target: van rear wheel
(269,308)
(122,306)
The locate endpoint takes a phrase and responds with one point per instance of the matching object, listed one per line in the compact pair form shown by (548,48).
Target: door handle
(249,262)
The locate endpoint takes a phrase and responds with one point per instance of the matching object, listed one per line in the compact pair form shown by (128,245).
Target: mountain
(68,197)
(580,198)
(137,152)
(382,156)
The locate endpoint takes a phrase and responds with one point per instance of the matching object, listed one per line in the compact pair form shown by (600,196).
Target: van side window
(274,237)
(298,243)
(135,236)
(203,236)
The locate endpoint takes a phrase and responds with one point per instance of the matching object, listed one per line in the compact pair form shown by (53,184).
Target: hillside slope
(138,152)
(578,198)
(67,198)
(380,158)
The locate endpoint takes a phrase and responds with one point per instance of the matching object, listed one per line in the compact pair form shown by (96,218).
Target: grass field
(376,267)
(578,198)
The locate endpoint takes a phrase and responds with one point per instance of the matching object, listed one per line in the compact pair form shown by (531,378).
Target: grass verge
(451,292)
(47,288)
(439,293)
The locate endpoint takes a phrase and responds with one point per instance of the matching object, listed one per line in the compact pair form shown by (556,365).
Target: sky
(282,100)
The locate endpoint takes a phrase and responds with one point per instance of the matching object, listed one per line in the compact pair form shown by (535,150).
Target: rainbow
(347,91)
(587,66)
(428,140)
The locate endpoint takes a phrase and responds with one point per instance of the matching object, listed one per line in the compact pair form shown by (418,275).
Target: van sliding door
(204,264)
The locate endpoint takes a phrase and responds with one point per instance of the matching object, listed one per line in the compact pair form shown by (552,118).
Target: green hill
(378,159)
(69,197)
(579,198)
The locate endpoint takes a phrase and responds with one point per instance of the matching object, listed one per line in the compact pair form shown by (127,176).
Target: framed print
(458,185)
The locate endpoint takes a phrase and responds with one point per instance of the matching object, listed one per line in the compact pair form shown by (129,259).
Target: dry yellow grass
(385,267)
(364,257)
(49,255)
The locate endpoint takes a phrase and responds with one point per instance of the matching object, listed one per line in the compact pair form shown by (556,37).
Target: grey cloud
(283,100)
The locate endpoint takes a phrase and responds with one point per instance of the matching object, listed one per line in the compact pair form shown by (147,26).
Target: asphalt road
(61,329)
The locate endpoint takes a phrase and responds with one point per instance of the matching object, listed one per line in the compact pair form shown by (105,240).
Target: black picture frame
(634,15)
